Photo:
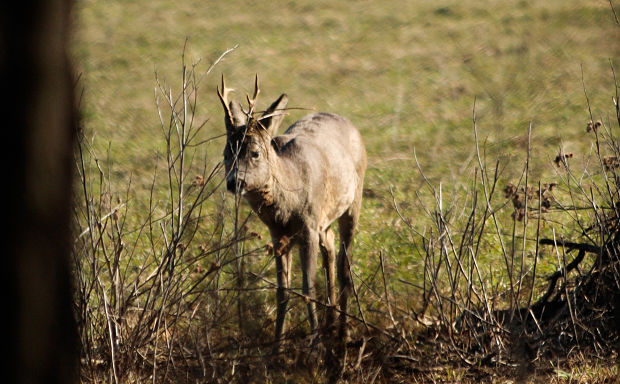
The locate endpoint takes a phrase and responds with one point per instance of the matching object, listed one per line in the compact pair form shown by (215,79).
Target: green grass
(406,74)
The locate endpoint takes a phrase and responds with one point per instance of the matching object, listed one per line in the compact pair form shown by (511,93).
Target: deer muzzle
(235,184)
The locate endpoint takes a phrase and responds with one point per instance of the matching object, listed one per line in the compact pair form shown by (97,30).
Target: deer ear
(273,116)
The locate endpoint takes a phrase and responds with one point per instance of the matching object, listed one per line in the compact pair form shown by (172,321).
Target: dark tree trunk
(38,127)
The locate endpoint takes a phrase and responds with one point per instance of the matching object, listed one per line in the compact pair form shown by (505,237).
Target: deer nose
(231,185)
(234,185)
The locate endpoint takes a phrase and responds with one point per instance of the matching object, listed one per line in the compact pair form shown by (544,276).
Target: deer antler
(252,101)
(223,94)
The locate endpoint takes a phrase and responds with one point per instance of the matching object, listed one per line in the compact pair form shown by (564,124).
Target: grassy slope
(406,73)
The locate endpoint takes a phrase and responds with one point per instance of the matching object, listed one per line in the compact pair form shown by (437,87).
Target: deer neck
(278,199)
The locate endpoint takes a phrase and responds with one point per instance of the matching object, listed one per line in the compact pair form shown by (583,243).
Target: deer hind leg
(308,252)
(282,253)
(328,251)
(347,224)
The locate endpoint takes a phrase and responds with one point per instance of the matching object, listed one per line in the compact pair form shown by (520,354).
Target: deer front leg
(329,264)
(308,252)
(282,253)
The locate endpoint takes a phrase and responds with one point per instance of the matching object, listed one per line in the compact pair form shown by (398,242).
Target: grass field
(406,73)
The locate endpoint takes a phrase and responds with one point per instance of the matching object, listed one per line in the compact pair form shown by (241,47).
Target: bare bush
(150,292)
(176,291)
(483,295)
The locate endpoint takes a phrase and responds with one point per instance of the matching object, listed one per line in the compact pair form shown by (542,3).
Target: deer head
(248,147)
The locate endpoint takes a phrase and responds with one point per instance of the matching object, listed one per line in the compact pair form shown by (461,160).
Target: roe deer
(298,184)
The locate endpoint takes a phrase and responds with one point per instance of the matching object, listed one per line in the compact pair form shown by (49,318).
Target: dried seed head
(199,181)
(611,162)
(518,214)
(530,193)
(510,190)
(283,245)
(214,266)
(516,202)
(519,196)
(594,126)
(256,235)
(548,187)
(562,158)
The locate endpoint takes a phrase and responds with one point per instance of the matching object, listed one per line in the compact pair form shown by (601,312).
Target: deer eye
(255,154)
